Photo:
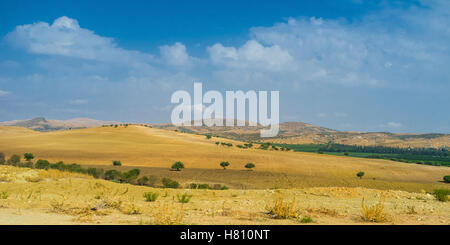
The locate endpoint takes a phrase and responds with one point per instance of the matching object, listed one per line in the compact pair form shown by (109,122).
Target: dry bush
(4,195)
(5,177)
(32,178)
(374,213)
(168,214)
(411,210)
(283,210)
(130,208)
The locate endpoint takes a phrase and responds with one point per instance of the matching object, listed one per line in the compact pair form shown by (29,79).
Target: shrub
(13,160)
(169,183)
(249,166)
(283,210)
(142,181)
(2,158)
(150,196)
(59,166)
(131,175)
(152,181)
(345,153)
(360,174)
(28,156)
(224,165)
(217,143)
(441,194)
(192,186)
(178,166)
(95,172)
(208,136)
(4,195)
(219,187)
(446,178)
(25,165)
(203,186)
(113,175)
(42,164)
(117,163)
(76,168)
(373,213)
(306,219)
(185,198)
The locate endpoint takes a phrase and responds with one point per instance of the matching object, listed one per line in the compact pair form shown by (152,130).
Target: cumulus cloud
(391,47)
(251,55)
(175,54)
(65,37)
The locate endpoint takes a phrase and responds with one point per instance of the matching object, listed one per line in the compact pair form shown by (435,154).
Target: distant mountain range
(290,133)
(304,133)
(42,124)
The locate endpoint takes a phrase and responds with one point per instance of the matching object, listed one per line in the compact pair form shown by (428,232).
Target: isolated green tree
(447,179)
(28,156)
(224,165)
(178,166)
(208,136)
(117,163)
(360,174)
(249,166)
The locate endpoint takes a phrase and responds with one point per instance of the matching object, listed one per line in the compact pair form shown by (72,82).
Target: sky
(347,65)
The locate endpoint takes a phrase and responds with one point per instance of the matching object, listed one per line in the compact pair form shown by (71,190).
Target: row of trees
(442,152)
(177,166)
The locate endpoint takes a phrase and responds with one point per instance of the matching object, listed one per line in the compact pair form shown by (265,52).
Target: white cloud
(175,54)
(3,93)
(65,37)
(78,102)
(391,125)
(252,55)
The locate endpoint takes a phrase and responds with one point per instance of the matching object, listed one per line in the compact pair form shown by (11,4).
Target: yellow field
(149,147)
(30,196)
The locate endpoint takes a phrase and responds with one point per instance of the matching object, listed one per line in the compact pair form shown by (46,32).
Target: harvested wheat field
(284,188)
(148,147)
(29,196)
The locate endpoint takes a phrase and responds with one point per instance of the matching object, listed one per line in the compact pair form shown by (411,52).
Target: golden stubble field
(30,196)
(156,148)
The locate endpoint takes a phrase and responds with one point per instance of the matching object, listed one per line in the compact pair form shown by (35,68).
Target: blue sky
(347,65)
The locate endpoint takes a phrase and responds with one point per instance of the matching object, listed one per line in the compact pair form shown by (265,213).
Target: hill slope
(150,147)
(304,133)
(56,198)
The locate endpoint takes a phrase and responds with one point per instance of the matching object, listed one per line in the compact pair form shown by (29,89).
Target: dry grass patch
(282,209)
(168,214)
(374,213)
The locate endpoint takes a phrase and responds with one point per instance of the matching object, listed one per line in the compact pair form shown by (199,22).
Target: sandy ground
(64,198)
